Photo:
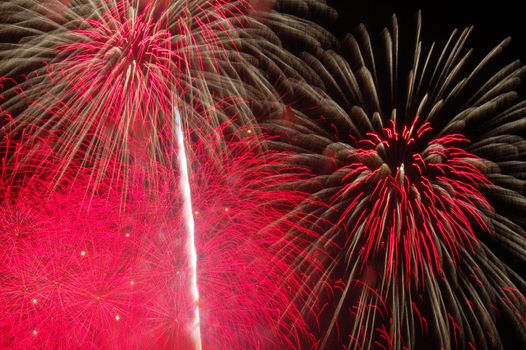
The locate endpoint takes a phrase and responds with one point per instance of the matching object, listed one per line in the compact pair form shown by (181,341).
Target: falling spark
(190,227)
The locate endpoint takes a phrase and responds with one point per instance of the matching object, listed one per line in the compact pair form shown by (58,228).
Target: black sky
(493,20)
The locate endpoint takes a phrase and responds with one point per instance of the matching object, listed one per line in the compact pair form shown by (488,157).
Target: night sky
(493,21)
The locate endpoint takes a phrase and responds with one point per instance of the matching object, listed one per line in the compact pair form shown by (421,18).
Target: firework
(416,168)
(88,100)
(188,218)
(63,285)
(100,83)
(240,251)
(85,274)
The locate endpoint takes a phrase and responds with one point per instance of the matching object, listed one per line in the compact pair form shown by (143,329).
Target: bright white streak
(190,226)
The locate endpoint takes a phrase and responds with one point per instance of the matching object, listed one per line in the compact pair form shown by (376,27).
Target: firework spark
(414,171)
(189,224)
(87,275)
(100,84)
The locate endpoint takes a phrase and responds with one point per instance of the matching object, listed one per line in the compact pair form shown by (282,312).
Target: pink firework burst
(64,275)
(86,273)
(250,291)
(91,136)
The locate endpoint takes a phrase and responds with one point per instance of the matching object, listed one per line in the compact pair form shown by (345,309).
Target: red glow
(85,274)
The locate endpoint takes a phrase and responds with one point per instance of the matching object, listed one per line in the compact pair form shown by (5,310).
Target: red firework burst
(413,197)
(64,277)
(94,129)
(408,209)
(106,80)
(250,303)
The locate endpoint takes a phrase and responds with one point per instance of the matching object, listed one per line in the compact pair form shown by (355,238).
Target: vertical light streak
(190,226)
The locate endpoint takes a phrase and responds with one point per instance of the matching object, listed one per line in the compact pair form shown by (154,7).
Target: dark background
(493,20)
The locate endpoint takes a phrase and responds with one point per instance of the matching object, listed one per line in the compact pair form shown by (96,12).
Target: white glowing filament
(189,222)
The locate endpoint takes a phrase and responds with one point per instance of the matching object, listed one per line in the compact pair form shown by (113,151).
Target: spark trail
(190,228)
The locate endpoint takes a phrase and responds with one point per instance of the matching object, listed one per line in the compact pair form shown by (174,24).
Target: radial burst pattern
(418,158)
(100,83)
